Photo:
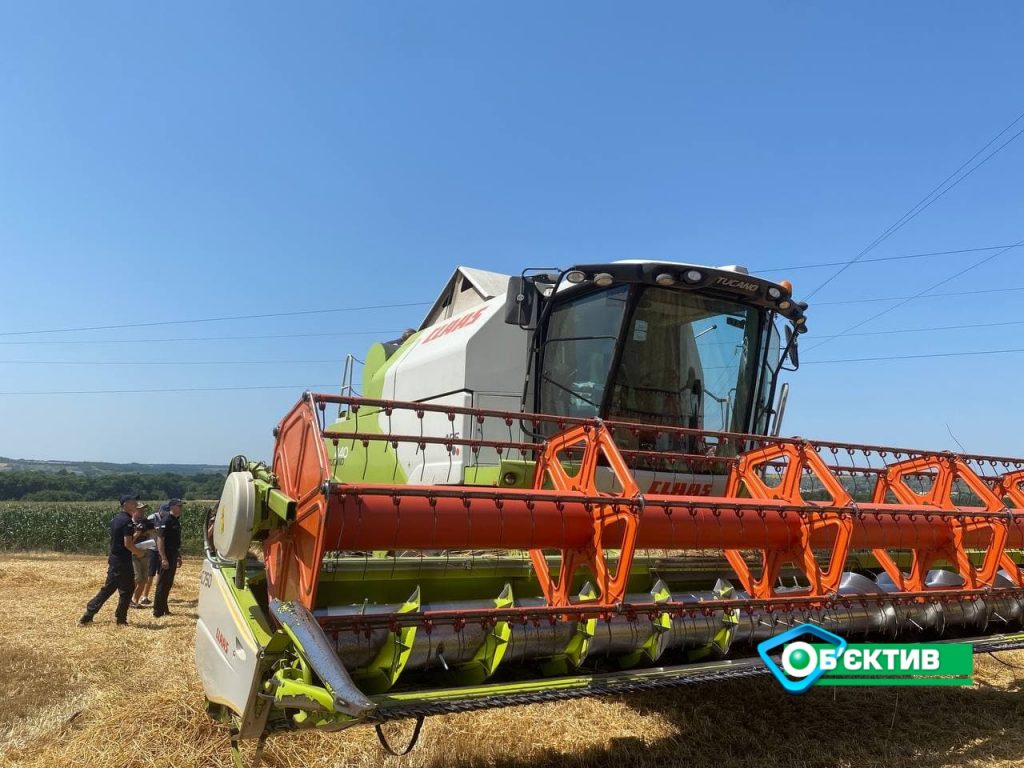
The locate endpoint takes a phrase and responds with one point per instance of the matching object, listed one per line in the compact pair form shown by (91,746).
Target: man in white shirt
(145,540)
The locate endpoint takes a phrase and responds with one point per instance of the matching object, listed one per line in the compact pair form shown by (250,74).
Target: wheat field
(108,696)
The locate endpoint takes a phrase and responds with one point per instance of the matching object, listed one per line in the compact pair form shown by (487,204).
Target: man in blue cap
(120,573)
(168,543)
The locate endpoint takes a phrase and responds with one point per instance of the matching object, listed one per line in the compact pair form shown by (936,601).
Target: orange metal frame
(944,470)
(567,513)
(293,553)
(552,472)
(805,527)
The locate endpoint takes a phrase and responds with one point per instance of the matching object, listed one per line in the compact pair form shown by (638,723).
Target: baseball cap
(143,505)
(176,503)
(128,497)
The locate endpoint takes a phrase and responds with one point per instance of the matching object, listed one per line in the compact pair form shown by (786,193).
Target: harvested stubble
(92,696)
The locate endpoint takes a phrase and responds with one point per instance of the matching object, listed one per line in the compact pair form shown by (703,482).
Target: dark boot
(163,588)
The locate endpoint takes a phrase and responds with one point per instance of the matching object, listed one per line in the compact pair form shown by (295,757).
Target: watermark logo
(832,661)
(801,667)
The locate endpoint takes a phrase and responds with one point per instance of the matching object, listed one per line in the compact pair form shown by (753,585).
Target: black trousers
(120,579)
(164,583)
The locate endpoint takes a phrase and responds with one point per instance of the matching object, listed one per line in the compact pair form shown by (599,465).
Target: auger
(570,483)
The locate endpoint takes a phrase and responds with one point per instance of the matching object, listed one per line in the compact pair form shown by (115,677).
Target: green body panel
(251,600)
(443,578)
(296,682)
(376,462)
(575,652)
(472,577)
(487,658)
(382,673)
(468,693)
(511,473)
(651,648)
(272,506)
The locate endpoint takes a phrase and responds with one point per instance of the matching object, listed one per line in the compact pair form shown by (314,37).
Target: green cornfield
(81,526)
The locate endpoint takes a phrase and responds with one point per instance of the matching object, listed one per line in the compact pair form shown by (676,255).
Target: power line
(385,334)
(933,328)
(303,387)
(335,361)
(296,387)
(332,361)
(917,296)
(924,203)
(899,304)
(882,258)
(974,353)
(216,319)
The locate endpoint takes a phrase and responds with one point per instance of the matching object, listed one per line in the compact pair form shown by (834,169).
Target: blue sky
(184,161)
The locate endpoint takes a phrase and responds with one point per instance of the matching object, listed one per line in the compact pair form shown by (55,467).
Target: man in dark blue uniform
(168,544)
(120,574)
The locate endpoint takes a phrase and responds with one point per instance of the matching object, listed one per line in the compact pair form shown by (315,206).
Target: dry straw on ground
(105,696)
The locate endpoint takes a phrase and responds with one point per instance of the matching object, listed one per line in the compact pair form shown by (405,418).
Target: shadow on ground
(754,723)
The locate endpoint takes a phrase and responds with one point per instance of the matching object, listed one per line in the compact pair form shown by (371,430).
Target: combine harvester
(571,484)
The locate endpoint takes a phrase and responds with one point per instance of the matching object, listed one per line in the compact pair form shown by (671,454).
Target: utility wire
(296,387)
(973,353)
(891,331)
(916,296)
(303,387)
(928,200)
(216,319)
(385,334)
(932,328)
(881,259)
(899,304)
(332,361)
(335,361)
(390,333)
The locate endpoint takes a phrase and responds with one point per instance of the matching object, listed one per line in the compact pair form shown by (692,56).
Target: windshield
(579,351)
(686,359)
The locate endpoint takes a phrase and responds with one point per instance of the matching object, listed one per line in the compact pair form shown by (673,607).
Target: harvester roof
(466,288)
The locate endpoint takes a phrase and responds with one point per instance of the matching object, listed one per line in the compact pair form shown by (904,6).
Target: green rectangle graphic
(887,681)
(898,659)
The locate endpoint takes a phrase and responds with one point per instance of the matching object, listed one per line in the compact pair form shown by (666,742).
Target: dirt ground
(109,696)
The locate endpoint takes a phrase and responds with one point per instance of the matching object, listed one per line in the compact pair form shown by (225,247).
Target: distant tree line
(68,486)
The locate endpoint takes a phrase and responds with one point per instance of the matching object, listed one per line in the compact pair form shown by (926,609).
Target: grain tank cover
(465,289)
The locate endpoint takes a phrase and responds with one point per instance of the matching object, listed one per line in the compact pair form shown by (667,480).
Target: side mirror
(520,303)
(792,350)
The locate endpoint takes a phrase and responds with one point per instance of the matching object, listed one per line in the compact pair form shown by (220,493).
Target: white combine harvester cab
(652,343)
